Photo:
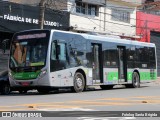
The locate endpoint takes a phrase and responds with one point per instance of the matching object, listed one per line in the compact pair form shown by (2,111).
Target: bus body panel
(81,49)
(110,76)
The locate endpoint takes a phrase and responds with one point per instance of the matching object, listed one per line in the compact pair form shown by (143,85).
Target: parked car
(4,83)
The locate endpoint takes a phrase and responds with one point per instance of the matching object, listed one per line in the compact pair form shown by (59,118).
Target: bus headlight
(42,74)
(10,74)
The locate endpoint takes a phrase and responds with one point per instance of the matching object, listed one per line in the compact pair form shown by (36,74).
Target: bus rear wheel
(135,81)
(78,83)
(106,87)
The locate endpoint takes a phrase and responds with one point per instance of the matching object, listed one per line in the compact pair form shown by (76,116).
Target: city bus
(46,60)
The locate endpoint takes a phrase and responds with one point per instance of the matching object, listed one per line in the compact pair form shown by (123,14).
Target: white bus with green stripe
(50,59)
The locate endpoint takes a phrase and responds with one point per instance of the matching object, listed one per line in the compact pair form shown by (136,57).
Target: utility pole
(41,14)
(105,5)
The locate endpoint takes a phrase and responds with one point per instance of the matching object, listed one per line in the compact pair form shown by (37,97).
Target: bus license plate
(25,83)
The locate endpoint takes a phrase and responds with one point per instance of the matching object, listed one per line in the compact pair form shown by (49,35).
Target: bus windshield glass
(29,50)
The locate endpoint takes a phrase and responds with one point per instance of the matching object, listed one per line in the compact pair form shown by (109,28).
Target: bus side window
(53,51)
(152,59)
(62,52)
(58,52)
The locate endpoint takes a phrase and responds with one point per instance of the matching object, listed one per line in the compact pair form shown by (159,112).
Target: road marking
(99,103)
(15,109)
(67,109)
(85,104)
(145,97)
(113,99)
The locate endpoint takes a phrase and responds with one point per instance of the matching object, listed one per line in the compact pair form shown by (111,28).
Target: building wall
(138,1)
(119,27)
(90,23)
(87,22)
(60,4)
(54,4)
(135,1)
(97,24)
(145,24)
(27,2)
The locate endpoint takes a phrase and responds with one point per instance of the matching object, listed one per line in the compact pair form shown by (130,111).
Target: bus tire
(5,89)
(78,83)
(106,87)
(135,81)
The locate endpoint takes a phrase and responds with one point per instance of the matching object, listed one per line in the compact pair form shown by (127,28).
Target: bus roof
(100,38)
(118,40)
(109,39)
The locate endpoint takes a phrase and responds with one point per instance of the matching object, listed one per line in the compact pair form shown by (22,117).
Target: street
(146,98)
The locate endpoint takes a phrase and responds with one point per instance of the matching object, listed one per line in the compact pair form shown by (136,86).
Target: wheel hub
(79,82)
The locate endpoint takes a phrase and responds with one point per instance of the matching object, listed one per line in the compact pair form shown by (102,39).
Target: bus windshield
(28,52)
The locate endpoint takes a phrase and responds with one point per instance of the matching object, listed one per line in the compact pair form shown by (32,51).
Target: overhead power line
(53,3)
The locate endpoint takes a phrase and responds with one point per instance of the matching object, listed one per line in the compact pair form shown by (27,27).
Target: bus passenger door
(97,68)
(122,66)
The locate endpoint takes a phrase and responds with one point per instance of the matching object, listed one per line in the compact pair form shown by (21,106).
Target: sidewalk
(153,83)
(157,82)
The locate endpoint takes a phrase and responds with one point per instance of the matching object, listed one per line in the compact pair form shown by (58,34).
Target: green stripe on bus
(148,76)
(26,75)
(129,76)
(143,76)
(112,76)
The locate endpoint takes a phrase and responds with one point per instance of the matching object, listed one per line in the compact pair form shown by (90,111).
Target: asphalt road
(146,98)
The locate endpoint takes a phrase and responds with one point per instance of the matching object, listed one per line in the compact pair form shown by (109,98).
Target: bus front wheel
(78,83)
